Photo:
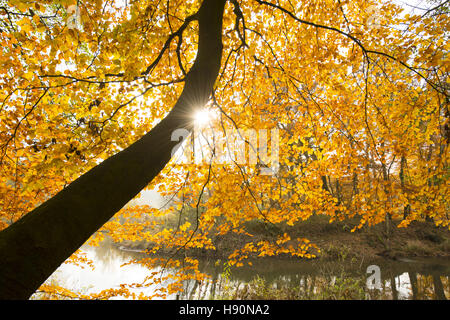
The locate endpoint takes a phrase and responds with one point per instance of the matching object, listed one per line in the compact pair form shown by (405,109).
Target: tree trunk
(414,288)
(403,164)
(439,293)
(35,246)
(394,288)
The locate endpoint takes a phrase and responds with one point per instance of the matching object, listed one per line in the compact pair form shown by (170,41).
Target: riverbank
(336,241)
(420,239)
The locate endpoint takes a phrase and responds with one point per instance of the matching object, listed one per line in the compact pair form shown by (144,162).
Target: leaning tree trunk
(35,246)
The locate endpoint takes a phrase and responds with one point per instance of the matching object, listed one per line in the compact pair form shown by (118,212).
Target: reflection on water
(407,279)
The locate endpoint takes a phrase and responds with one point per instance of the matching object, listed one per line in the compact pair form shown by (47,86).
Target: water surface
(426,278)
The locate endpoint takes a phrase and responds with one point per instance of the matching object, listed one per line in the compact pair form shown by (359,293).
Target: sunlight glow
(202,117)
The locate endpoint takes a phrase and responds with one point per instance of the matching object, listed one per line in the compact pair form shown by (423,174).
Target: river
(426,278)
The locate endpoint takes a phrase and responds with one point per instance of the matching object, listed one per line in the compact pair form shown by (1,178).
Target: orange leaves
(79,258)
(299,247)
(54,292)
(345,118)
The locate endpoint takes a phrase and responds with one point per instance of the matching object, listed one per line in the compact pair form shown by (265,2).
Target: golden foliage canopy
(356,90)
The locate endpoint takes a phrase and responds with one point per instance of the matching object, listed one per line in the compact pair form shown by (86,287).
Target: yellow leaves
(283,239)
(404,223)
(36,19)
(71,36)
(54,292)
(132,70)
(28,76)
(283,245)
(80,259)
(39,7)
(340,150)
(25,25)
(20,5)
(185,226)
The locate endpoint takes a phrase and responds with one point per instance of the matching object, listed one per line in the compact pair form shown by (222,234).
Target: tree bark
(414,288)
(394,288)
(439,293)
(35,246)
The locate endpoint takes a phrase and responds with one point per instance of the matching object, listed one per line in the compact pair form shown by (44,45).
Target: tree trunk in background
(35,246)
(439,293)
(413,280)
(403,164)
(394,288)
